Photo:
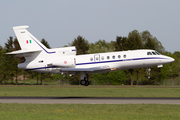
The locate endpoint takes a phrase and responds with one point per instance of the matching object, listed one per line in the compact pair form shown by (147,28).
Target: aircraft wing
(85,69)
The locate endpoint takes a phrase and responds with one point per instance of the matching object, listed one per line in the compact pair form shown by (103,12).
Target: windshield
(157,53)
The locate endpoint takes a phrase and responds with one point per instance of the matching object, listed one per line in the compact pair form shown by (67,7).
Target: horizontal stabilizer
(22,52)
(85,69)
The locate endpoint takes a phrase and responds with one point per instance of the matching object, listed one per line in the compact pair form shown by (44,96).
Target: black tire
(87,83)
(83,82)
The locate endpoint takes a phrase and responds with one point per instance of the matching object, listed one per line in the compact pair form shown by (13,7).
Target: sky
(60,21)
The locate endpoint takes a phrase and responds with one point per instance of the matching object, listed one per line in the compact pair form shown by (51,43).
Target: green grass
(91,91)
(88,112)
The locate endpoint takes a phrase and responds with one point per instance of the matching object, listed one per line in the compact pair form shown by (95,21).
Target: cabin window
(102,58)
(97,58)
(107,57)
(124,56)
(119,56)
(113,57)
(149,53)
(153,53)
(91,58)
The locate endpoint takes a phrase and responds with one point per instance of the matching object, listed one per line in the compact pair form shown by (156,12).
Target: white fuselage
(114,60)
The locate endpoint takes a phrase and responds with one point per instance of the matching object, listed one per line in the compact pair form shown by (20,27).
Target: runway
(91,100)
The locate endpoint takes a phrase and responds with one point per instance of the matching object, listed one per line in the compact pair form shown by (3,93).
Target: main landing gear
(84,79)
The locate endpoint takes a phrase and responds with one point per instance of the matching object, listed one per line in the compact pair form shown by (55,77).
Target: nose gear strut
(148,70)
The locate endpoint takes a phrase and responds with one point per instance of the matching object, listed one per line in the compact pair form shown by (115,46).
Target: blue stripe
(119,60)
(102,62)
(42,47)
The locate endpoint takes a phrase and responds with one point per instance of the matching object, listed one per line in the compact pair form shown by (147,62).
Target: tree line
(9,73)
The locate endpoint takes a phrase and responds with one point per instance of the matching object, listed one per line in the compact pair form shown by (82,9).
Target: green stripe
(29,41)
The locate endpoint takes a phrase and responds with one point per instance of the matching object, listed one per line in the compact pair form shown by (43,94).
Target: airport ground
(90,111)
(90,91)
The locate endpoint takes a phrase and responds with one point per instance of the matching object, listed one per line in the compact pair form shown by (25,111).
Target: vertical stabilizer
(26,40)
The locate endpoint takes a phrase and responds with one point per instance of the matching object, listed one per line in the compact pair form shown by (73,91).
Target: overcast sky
(60,21)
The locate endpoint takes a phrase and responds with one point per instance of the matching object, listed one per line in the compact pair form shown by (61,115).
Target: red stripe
(27,41)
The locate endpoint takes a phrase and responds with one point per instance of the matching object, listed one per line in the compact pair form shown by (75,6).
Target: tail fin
(26,40)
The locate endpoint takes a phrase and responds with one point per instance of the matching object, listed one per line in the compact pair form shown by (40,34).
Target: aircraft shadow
(96,98)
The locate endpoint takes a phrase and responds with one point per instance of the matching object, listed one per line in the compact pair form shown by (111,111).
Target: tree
(2,64)
(134,40)
(150,42)
(116,77)
(177,54)
(121,43)
(11,61)
(81,44)
(10,44)
(101,46)
(110,78)
(173,68)
(45,43)
(137,71)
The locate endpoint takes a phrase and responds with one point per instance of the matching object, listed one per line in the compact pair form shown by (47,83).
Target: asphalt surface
(91,100)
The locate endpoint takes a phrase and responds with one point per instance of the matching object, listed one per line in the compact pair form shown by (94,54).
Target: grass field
(90,91)
(88,112)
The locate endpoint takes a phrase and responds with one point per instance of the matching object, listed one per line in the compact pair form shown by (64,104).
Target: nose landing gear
(149,72)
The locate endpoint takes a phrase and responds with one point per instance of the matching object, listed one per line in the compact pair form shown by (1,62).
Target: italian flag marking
(28,41)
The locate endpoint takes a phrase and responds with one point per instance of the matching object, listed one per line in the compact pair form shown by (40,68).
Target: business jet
(65,61)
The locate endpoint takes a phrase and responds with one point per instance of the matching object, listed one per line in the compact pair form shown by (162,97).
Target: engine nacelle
(65,62)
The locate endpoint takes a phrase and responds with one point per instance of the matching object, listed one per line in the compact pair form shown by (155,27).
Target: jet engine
(65,62)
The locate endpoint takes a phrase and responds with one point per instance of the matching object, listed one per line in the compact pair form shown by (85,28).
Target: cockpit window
(157,53)
(153,53)
(149,53)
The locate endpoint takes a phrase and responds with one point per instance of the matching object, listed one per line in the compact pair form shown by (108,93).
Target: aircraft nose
(167,59)
(171,59)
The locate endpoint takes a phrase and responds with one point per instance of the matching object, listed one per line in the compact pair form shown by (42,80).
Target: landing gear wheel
(83,82)
(84,79)
(87,83)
